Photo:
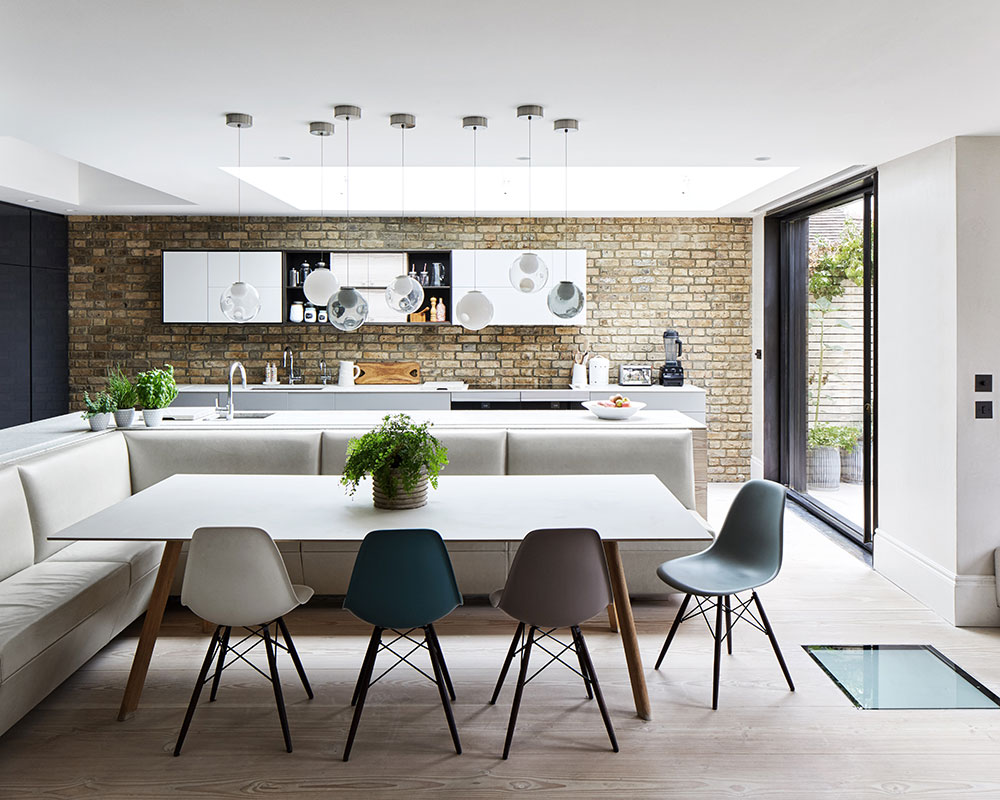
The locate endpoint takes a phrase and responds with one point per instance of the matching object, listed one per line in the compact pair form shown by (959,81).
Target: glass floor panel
(880,676)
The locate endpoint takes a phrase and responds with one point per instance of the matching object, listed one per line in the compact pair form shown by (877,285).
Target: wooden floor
(763,742)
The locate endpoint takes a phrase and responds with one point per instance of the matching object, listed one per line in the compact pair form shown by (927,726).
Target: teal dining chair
(403,581)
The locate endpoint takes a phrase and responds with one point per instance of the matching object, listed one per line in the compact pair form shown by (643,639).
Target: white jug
(599,367)
(347,373)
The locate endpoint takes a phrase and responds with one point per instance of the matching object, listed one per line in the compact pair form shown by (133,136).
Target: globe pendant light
(403,294)
(347,309)
(474,311)
(566,299)
(241,301)
(320,284)
(529,272)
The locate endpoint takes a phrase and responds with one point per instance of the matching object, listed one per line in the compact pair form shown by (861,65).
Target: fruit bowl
(612,412)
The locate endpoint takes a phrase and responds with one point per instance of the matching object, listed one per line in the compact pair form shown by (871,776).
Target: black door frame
(785,327)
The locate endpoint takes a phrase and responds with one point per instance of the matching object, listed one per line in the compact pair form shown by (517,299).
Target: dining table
(464,508)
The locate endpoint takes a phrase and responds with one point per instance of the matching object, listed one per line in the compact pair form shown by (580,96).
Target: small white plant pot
(152,416)
(124,417)
(99,422)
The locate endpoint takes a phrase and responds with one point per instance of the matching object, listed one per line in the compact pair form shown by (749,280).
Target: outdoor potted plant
(156,389)
(402,458)
(851,455)
(823,456)
(124,395)
(99,409)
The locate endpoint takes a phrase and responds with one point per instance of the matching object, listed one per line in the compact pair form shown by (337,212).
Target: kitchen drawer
(258,401)
(195,399)
(393,401)
(311,401)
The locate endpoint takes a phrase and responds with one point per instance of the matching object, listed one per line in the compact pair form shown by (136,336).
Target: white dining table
(465,508)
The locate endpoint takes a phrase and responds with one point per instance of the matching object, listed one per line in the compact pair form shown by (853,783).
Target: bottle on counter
(309,314)
(322,315)
(441,312)
(433,314)
(296,312)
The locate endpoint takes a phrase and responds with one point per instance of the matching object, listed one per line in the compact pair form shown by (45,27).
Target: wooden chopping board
(388,372)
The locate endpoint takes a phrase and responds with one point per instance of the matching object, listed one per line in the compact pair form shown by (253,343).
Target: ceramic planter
(124,417)
(823,467)
(413,499)
(152,416)
(852,465)
(99,422)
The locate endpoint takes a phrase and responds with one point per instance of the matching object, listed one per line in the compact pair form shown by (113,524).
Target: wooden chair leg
(202,675)
(506,664)
(718,653)
(433,641)
(774,642)
(673,629)
(279,700)
(295,656)
(432,648)
(585,657)
(223,649)
(578,647)
(518,691)
(364,681)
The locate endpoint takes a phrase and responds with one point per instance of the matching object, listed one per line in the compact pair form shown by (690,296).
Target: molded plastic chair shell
(558,579)
(402,579)
(747,552)
(235,577)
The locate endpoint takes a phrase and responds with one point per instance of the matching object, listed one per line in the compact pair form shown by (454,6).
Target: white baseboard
(963,600)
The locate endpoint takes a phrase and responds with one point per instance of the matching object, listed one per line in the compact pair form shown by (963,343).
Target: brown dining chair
(558,579)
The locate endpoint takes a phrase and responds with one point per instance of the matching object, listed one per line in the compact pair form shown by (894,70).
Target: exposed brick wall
(643,276)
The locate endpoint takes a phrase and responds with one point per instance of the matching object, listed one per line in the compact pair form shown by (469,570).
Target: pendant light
(241,301)
(474,311)
(320,284)
(403,294)
(529,272)
(565,300)
(347,309)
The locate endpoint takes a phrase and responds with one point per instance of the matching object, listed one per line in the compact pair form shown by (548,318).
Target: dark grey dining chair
(744,556)
(558,579)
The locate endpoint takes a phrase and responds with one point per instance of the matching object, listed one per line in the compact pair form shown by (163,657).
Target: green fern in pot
(124,394)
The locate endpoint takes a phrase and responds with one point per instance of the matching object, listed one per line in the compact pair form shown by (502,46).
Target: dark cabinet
(49,343)
(15,354)
(48,241)
(15,235)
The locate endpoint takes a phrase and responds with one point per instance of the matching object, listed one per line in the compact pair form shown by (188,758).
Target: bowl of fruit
(615,407)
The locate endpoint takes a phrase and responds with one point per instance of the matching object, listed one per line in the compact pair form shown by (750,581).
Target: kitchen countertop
(439,386)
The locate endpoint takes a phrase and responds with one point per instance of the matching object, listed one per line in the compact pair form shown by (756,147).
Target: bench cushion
(44,602)
(669,455)
(68,485)
(141,557)
(158,454)
(470,452)
(17,548)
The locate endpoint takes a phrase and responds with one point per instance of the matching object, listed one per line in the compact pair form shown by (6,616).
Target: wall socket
(984,383)
(984,409)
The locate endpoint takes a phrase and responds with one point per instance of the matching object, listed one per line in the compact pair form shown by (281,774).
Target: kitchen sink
(245,415)
(290,387)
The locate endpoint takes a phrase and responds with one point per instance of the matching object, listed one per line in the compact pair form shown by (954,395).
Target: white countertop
(432,386)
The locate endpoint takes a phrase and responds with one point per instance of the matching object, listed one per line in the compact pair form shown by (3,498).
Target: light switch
(984,383)
(984,409)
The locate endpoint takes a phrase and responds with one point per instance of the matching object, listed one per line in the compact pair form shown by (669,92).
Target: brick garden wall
(643,276)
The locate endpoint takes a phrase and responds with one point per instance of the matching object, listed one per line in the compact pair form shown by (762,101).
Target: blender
(672,373)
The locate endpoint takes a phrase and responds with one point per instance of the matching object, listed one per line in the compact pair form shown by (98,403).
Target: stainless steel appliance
(672,373)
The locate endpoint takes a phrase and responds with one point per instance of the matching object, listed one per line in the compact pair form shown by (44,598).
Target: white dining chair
(235,578)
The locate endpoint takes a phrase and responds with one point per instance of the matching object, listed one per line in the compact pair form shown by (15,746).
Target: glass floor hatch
(883,676)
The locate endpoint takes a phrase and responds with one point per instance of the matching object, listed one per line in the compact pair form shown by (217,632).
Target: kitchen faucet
(288,360)
(324,376)
(230,408)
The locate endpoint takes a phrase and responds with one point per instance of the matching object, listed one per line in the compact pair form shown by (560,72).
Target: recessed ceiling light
(282,158)
(30,200)
(523,158)
(762,158)
(70,210)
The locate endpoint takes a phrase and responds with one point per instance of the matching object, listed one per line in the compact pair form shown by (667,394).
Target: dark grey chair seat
(707,575)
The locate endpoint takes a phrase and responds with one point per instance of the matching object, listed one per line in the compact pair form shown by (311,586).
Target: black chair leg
(295,656)
(585,657)
(774,642)
(220,665)
(506,664)
(433,641)
(718,653)
(206,664)
(577,636)
(518,691)
(366,667)
(279,700)
(364,681)
(673,629)
(729,626)
(439,679)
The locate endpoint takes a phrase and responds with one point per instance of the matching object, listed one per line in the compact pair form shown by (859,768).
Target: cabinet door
(378,308)
(15,355)
(49,343)
(393,401)
(262,268)
(270,305)
(15,235)
(48,241)
(223,269)
(185,286)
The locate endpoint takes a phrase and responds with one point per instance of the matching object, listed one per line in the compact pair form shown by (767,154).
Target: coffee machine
(672,373)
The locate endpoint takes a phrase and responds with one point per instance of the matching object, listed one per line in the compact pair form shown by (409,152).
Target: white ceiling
(138,90)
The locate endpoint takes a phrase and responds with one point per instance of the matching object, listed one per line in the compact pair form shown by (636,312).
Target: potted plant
(851,454)
(156,389)
(823,456)
(402,458)
(99,409)
(124,395)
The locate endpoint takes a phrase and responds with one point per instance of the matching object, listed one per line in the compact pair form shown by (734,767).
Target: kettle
(599,369)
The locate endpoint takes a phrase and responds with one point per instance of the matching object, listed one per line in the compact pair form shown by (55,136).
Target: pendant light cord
(239,204)
(529,166)
(402,172)
(347,191)
(475,215)
(566,203)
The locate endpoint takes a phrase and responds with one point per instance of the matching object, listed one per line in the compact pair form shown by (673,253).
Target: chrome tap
(324,375)
(288,360)
(230,407)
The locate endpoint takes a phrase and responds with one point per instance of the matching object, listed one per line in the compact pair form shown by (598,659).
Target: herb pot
(823,467)
(152,416)
(99,422)
(401,499)
(852,465)
(124,417)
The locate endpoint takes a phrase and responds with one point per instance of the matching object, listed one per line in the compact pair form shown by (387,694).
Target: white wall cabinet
(489,271)
(193,283)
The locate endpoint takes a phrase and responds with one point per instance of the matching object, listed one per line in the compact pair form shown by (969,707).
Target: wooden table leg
(150,629)
(613,618)
(626,624)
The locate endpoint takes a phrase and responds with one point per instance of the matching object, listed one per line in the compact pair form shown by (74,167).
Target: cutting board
(388,372)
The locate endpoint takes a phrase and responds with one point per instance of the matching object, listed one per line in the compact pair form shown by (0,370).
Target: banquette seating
(61,602)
